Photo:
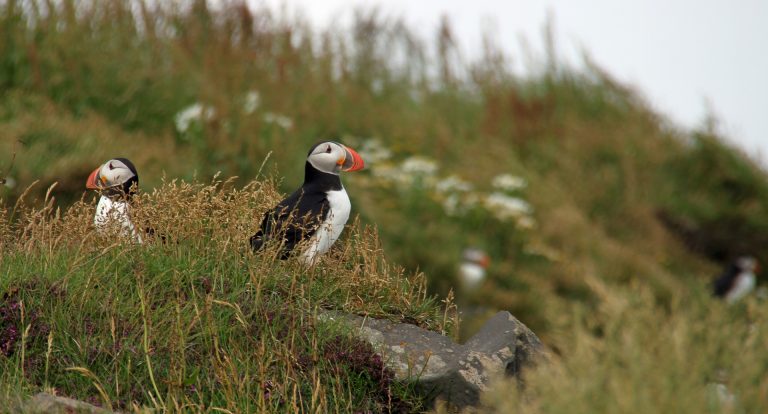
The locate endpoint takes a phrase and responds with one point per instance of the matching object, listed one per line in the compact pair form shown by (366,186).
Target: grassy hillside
(192,320)
(584,197)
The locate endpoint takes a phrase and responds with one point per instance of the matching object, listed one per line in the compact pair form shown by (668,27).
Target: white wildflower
(451,205)
(452,184)
(192,113)
(280,120)
(508,182)
(419,166)
(388,172)
(251,102)
(405,176)
(506,207)
(460,203)
(374,152)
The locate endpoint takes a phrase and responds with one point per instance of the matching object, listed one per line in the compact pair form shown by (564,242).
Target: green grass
(197,322)
(620,199)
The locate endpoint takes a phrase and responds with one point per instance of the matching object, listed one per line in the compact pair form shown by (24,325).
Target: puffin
(472,268)
(737,280)
(117,181)
(311,218)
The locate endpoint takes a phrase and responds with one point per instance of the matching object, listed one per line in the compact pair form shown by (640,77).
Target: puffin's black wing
(295,219)
(725,281)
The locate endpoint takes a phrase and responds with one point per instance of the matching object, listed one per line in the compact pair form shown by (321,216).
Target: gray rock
(51,404)
(443,369)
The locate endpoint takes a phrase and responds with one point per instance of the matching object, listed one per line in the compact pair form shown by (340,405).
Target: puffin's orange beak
(485,262)
(352,160)
(93,180)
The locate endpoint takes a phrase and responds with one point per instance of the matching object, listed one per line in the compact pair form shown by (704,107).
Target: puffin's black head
(332,157)
(116,177)
(747,264)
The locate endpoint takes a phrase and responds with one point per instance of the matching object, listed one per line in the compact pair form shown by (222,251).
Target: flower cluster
(509,208)
(196,112)
(280,120)
(250,103)
(419,166)
(374,152)
(453,184)
(414,171)
(508,183)
(457,196)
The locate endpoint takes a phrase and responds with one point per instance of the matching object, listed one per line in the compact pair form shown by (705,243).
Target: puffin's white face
(110,175)
(332,157)
(476,256)
(747,264)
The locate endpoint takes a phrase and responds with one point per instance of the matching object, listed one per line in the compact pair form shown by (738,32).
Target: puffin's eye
(328,150)
(111,167)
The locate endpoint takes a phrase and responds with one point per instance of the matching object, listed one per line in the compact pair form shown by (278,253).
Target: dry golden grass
(634,355)
(191,319)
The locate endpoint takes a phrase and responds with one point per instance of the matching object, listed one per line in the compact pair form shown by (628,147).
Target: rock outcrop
(44,403)
(443,369)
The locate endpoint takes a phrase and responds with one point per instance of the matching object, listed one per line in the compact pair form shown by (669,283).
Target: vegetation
(611,222)
(192,320)
(634,356)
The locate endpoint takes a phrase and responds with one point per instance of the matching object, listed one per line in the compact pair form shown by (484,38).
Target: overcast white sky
(683,55)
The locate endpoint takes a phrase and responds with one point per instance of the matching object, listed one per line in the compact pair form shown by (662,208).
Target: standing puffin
(472,269)
(117,181)
(318,210)
(737,280)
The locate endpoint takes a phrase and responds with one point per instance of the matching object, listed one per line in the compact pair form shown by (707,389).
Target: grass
(623,204)
(195,321)
(634,355)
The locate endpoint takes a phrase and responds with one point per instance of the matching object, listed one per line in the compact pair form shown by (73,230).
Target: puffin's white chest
(331,228)
(112,218)
(471,275)
(745,283)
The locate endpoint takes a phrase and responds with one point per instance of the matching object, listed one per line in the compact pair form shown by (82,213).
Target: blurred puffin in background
(318,210)
(737,280)
(472,268)
(117,181)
